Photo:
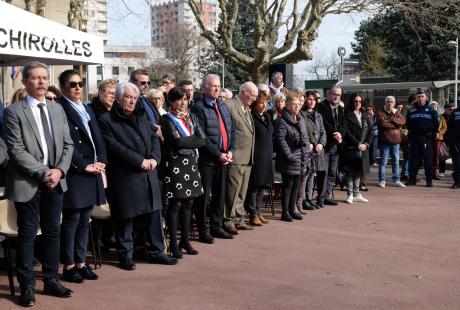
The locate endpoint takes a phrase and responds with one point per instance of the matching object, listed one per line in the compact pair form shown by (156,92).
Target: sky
(131,26)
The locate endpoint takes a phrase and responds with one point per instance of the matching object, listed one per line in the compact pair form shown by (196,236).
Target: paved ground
(400,251)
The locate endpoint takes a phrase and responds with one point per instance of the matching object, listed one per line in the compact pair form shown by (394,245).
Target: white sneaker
(382,184)
(349,199)
(398,184)
(360,198)
(442,174)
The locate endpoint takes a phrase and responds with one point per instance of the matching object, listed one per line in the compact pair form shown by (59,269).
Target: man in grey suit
(40,149)
(243,156)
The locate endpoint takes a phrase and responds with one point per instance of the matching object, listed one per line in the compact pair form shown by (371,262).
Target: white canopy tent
(25,37)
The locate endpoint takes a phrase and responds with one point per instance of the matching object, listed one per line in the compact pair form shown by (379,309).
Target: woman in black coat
(262,169)
(133,187)
(291,156)
(84,178)
(317,137)
(354,158)
(182,183)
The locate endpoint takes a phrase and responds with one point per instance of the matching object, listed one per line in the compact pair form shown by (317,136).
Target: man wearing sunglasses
(141,79)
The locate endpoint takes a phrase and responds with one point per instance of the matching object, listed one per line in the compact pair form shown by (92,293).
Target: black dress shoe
(221,233)
(411,183)
(188,248)
(27,298)
(308,205)
(72,275)
(320,203)
(429,184)
(55,288)
(206,238)
(330,202)
(176,252)
(455,185)
(296,216)
(87,273)
(127,264)
(363,189)
(436,178)
(285,216)
(162,259)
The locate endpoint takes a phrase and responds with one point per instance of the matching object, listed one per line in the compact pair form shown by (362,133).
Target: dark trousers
(289,192)
(124,230)
(254,199)
(214,180)
(421,148)
(182,208)
(44,209)
(373,150)
(332,161)
(455,152)
(74,235)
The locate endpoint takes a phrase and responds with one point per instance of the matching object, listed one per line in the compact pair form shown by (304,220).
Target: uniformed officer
(452,138)
(422,123)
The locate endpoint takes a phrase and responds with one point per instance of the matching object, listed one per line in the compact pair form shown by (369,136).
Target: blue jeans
(373,150)
(405,163)
(393,150)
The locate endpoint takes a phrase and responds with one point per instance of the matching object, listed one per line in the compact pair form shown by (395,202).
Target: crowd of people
(156,154)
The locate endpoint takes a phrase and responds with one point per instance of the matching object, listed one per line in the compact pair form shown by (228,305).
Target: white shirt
(36,112)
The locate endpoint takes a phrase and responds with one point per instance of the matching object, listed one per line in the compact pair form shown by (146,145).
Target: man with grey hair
(390,121)
(334,123)
(276,86)
(214,118)
(41,149)
(243,156)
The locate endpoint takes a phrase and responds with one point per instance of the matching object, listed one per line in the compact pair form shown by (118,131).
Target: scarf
(85,119)
(183,123)
(275,89)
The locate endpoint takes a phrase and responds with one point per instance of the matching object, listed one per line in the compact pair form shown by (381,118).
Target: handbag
(444,153)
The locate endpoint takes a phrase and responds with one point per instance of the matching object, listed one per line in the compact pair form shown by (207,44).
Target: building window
(99,70)
(115,70)
(130,69)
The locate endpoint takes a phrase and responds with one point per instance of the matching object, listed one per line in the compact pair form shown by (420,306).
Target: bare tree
(74,15)
(300,20)
(325,67)
(183,51)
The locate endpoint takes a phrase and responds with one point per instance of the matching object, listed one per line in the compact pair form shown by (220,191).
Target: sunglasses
(74,84)
(51,98)
(144,82)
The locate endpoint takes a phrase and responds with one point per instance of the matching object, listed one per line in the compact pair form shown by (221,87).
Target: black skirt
(182,178)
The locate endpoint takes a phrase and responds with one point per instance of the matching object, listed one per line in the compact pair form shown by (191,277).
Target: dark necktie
(46,130)
(336,117)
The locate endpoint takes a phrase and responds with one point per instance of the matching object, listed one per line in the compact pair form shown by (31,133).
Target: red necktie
(223,131)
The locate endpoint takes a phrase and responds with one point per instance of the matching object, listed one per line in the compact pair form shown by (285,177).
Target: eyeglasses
(51,98)
(156,98)
(166,82)
(144,83)
(74,84)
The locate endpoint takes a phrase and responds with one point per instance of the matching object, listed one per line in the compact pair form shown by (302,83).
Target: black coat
(84,189)
(175,145)
(324,108)
(210,153)
(292,145)
(356,134)
(316,135)
(130,140)
(262,169)
(98,107)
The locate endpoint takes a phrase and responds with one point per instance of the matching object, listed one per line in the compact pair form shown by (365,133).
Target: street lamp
(455,44)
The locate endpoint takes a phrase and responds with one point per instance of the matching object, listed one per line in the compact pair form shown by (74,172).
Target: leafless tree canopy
(301,20)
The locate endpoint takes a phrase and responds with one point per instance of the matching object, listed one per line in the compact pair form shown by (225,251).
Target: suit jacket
(78,180)
(324,108)
(26,169)
(244,128)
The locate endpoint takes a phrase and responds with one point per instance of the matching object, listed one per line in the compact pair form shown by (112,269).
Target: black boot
(308,205)
(285,214)
(186,220)
(173,214)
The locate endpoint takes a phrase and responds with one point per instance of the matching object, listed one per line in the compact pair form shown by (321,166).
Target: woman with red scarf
(182,182)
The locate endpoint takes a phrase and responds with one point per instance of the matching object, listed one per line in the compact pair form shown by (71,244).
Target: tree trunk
(258,73)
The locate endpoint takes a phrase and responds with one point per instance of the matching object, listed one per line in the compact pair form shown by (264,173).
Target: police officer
(452,138)
(422,123)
